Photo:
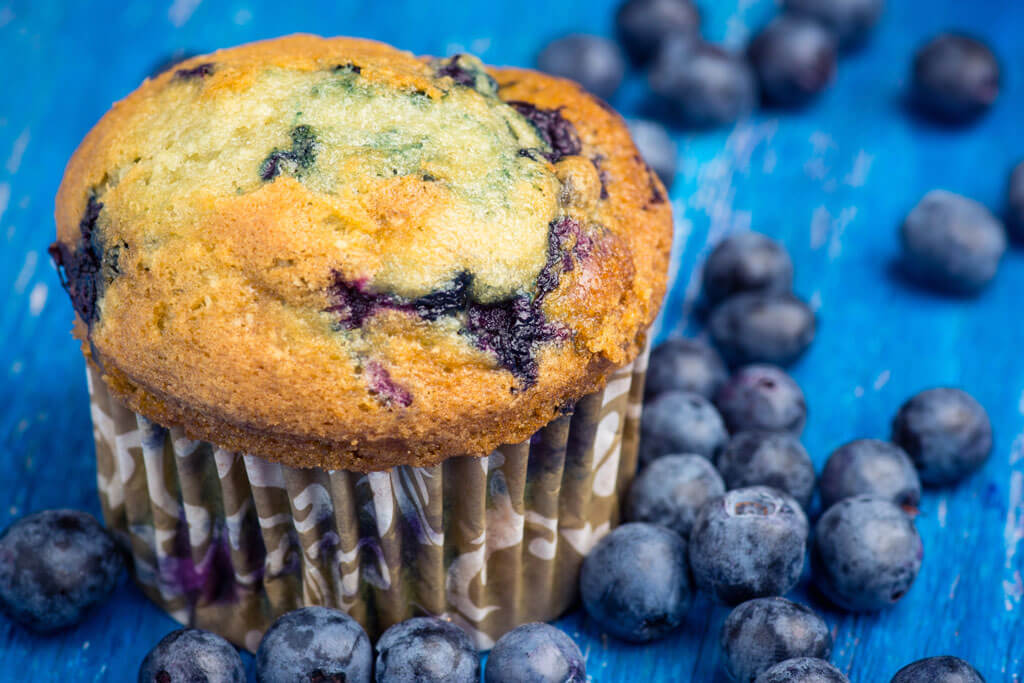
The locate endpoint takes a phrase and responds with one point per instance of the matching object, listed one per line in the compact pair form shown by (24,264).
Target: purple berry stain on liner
(198,71)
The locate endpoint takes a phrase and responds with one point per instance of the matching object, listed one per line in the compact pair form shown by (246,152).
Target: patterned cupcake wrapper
(228,542)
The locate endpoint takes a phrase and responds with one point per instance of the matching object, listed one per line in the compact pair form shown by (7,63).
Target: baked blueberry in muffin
(333,253)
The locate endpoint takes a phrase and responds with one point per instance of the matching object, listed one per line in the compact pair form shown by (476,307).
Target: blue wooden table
(832,181)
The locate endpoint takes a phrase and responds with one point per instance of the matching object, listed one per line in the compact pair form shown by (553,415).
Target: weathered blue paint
(832,181)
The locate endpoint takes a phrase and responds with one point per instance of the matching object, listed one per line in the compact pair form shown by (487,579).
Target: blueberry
(794,58)
(556,130)
(747,262)
(293,161)
(79,268)
(775,459)
(535,653)
(955,78)
(426,649)
(642,25)
(685,365)
(952,243)
(464,70)
(169,61)
(748,543)
(1015,203)
(867,553)
(656,147)
(314,643)
(760,633)
(869,467)
(850,20)
(945,432)
(510,329)
(671,490)
(190,655)
(634,583)
(762,328)
(197,72)
(803,670)
(595,63)
(55,565)
(762,397)
(701,84)
(680,422)
(944,669)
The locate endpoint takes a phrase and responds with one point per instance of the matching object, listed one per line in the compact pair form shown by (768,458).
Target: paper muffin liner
(227,542)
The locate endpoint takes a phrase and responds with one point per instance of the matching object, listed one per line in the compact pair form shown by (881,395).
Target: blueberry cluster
(698,84)
(950,243)
(723,468)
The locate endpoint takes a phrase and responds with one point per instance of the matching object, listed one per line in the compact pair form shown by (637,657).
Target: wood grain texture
(832,181)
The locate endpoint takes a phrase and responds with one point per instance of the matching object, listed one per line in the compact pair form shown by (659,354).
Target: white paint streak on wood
(37,298)
(181,11)
(18,151)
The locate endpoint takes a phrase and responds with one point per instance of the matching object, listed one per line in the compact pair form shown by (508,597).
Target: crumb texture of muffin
(332,253)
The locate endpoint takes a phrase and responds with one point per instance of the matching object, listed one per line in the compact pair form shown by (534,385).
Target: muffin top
(332,253)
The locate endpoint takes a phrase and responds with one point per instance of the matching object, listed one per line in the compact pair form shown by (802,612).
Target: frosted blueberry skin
(671,490)
(762,398)
(760,633)
(944,669)
(795,60)
(749,543)
(594,62)
(643,25)
(955,78)
(870,467)
(314,643)
(775,459)
(701,85)
(866,553)
(762,328)
(680,422)
(946,433)
(55,566)
(426,649)
(951,243)
(190,655)
(657,148)
(635,583)
(747,262)
(850,20)
(1015,203)
(803,670)
(535,653)
(684,365)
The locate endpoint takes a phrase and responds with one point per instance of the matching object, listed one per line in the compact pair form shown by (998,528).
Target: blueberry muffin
(331,253)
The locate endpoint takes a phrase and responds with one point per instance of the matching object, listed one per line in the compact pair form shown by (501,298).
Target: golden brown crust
(249,361)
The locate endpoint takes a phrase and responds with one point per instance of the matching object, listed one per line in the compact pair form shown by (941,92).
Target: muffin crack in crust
(332,253)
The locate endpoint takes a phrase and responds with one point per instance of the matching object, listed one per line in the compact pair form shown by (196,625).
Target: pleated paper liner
(228,542)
